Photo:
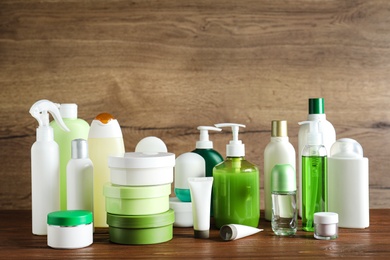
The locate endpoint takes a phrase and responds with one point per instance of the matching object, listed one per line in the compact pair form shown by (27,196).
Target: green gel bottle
(236,198)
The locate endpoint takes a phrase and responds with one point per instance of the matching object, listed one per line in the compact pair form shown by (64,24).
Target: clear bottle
(236,197)
(284,200)
(278,151)
(314,176)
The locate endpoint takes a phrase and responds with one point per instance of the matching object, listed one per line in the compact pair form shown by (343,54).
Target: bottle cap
(204,142)
(314,137)
(68,110)
(79,149)
(283,178)
(346,148)
(188,165)
(326,218)
(105,126)
(279,128)
(235,148)
(316,106)
(201,233)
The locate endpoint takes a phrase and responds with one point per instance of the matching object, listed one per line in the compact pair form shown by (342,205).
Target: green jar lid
(67,218)
(316,106)
(144,221)
(283,178)
(136,192)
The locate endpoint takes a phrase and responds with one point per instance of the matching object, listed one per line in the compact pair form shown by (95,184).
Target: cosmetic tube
(236,231)
(200,190)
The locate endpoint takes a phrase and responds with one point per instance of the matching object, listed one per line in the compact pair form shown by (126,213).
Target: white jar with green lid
(69,229)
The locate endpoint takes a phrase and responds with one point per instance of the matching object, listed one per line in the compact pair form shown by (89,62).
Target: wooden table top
(17,242)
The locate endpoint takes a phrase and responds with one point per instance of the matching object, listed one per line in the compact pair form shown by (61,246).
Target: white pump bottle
(45,166)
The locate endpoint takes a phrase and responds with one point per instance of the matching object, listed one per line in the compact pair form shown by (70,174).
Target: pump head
(204,142)
(314,137)
(235,148)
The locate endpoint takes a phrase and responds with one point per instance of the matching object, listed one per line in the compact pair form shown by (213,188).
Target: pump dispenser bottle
(45,166)
(78,129)
(105,139)
(278,151)
(314,176)
(316,113)
(236,186)
(204,147)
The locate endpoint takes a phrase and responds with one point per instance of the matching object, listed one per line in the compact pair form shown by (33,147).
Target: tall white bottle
(79,177)
(278,151)
(105,139)
(45,166)
(316,113)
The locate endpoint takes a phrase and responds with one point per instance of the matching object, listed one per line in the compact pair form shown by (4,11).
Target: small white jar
(183,212)
(326,225)
(69,229)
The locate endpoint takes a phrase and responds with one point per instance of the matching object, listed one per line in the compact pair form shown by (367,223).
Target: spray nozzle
(235,148)
(314,137)
(204,141)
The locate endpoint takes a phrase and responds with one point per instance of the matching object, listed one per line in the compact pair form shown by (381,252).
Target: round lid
(346,148)
(142,160)
(134,192)
(283,178)
(228,232)
(151,144)
(326,218)
(69,218)
(68,110)
(105,126)
(279,128)
(188,165)
(316,106)
(144,221)
(179,206)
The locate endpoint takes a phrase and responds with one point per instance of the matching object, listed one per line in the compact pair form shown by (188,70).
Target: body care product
(284,200)
(236,189)
(326,225)
(348,184)
(204,147)
(187,165)
(200,189)
(278,151)
(236,231)
(314,176)
(79,128)
(316,113)
(183,212)
(104,140)
(45,166)
(79,175)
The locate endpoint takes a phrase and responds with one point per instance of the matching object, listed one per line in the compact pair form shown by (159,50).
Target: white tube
(236,231)
(200,189)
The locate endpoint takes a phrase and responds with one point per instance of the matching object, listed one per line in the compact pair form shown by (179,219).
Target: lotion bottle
(45,166)
(105,139)
(278,151)
(236,197)
(316,112)
(79,128)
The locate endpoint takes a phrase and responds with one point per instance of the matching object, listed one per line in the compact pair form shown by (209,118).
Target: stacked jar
(137,198)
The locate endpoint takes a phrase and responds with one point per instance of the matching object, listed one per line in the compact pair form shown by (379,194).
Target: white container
(278,151)
(316,113)
(326,225)
(69,229)
(142,169)
(348,184)
(183,212)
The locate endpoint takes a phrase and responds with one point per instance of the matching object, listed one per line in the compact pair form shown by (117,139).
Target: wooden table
(17,242)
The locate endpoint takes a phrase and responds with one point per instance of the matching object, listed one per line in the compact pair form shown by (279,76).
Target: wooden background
(164,67)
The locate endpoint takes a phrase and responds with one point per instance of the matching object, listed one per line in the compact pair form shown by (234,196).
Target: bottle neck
(279,139)
(312,117)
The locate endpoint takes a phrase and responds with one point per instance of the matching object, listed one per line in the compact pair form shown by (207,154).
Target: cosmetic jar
(69,229)
(183,212)
(326,225)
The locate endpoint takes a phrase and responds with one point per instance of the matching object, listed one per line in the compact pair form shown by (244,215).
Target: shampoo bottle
(278,151)
(78,129)
(316,112)
(236,197)
(45,166)
(314,176)
(204,147)
(105,139)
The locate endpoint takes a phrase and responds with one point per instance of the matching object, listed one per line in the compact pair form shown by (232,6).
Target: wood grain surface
(162,68)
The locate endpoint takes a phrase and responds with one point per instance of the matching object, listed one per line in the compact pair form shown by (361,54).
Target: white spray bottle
(45,166)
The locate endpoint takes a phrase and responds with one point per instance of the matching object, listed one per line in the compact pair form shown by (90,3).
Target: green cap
(68,218)
(283,178)
(316,106)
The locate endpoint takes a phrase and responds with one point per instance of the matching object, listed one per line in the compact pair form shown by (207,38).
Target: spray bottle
(314,176)
(236,186)
(204,147)
(45,166)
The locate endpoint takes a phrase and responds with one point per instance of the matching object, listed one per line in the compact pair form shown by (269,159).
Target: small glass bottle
(284,198)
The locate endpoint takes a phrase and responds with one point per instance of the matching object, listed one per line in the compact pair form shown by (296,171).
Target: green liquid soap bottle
(79,129)
(314,176)
(236,197)
(204,147)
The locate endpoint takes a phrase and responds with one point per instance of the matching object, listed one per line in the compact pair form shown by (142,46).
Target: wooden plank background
(164,67)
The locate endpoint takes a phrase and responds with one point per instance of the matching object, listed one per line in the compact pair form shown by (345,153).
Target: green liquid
(314,189)
(236,197)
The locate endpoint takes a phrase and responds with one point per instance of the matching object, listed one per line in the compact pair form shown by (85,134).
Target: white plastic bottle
(105,139)
(316,113)
(278,151)
(45,166)
(79,176)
